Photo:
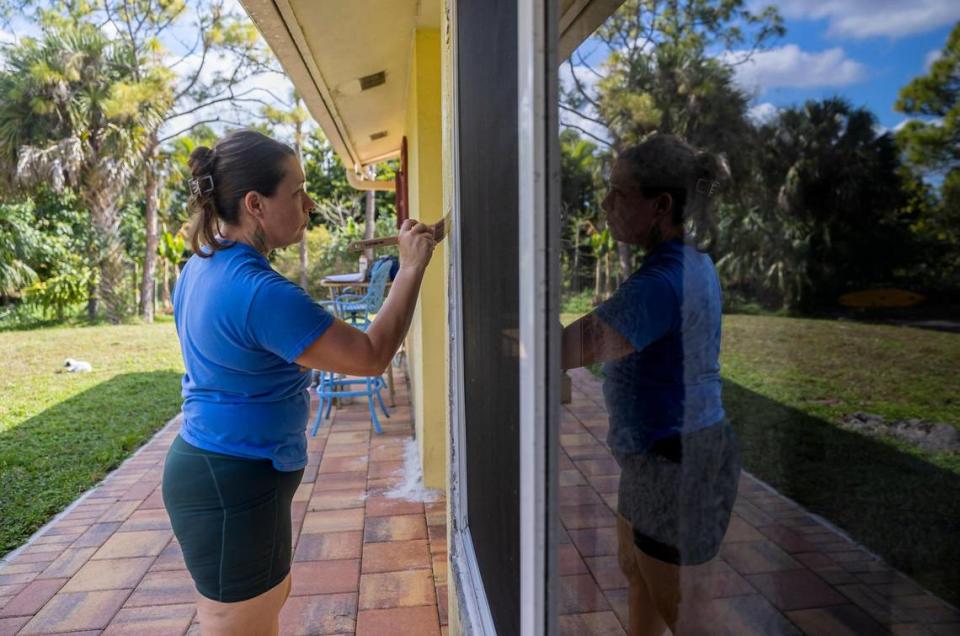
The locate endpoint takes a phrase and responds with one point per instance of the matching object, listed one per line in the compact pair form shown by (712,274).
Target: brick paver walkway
(780,570)
(367,564)
(363,563)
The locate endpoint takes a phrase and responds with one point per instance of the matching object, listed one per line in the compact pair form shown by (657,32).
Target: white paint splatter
(411,488)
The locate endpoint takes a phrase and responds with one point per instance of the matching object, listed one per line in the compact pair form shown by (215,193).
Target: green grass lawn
(60,433)
(829,368)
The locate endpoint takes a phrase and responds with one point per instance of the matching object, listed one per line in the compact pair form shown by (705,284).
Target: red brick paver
(363,562)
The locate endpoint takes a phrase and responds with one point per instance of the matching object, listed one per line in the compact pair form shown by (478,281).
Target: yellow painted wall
(427,342)
(449,191)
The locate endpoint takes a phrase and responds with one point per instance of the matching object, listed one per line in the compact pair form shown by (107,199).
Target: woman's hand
(416,244)
(344,349)
(590,340)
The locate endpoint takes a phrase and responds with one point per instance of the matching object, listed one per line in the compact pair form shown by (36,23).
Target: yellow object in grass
(870,298)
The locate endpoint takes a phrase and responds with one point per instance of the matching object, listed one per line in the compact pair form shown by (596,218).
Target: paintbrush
(440,230)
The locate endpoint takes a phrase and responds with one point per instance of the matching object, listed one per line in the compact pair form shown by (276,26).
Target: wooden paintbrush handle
(356,246)
(440,229)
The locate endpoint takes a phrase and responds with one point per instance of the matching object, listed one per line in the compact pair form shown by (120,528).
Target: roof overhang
(334,53)
(579,19)
(350,62)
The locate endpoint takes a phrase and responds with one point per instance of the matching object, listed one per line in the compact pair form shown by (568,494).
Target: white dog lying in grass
(76,366)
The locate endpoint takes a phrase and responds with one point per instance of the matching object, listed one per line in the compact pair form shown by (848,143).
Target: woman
(659,335)
(249,338)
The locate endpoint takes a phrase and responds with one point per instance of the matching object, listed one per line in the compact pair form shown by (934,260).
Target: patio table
(338,282)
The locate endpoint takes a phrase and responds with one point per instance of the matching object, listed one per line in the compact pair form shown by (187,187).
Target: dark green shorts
(679,496)
(232,518)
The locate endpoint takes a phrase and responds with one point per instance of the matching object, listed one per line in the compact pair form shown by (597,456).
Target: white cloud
(935,121)
(763,113)
(791,66)
(903,123)
(109,29)
(872,18)
(932,57)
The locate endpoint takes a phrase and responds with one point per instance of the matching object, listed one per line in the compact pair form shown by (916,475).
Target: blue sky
(863,50)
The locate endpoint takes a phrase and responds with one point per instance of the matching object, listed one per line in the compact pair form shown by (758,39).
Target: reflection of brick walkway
(780,571)
(363,563)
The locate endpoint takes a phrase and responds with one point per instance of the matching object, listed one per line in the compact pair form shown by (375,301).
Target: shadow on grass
(897,505)
(51,458)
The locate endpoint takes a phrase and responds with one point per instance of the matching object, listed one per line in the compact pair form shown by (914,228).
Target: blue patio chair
(330,387)
(355,309)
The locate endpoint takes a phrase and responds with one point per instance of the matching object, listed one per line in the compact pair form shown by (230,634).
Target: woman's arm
(590,340)
(344,349)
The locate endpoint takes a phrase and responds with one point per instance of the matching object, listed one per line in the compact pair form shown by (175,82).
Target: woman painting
(249,338)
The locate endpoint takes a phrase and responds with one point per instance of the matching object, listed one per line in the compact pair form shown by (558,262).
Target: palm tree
(17,242)
(73,116)
(826,214)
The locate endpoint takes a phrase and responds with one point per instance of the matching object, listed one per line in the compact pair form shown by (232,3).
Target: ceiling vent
(371,81)
(378,135)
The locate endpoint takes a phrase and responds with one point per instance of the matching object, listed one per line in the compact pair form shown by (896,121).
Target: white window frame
(539,341)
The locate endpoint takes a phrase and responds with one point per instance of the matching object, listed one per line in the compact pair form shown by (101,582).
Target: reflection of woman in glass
(659,335)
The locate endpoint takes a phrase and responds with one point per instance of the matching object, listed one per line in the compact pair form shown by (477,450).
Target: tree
(670,70)
(173,201)
(580,193)
(326,176)
(665,70)
(195,96)
(72,115)
(143,25)
(171,252)
(932,147)
(828,212)
(296,117)
(19,240)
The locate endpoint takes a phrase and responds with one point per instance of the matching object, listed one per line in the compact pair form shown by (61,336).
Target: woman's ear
(664,203)
(253,203)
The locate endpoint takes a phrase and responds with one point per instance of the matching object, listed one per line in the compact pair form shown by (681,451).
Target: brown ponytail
(203,230)
(711,173)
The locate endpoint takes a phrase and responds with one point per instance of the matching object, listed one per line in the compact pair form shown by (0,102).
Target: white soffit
(326,46)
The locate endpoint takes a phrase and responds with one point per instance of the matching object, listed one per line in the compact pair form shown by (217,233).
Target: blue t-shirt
(670,311)
(241,325)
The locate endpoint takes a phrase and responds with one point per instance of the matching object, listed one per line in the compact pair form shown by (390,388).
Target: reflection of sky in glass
(852,48)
